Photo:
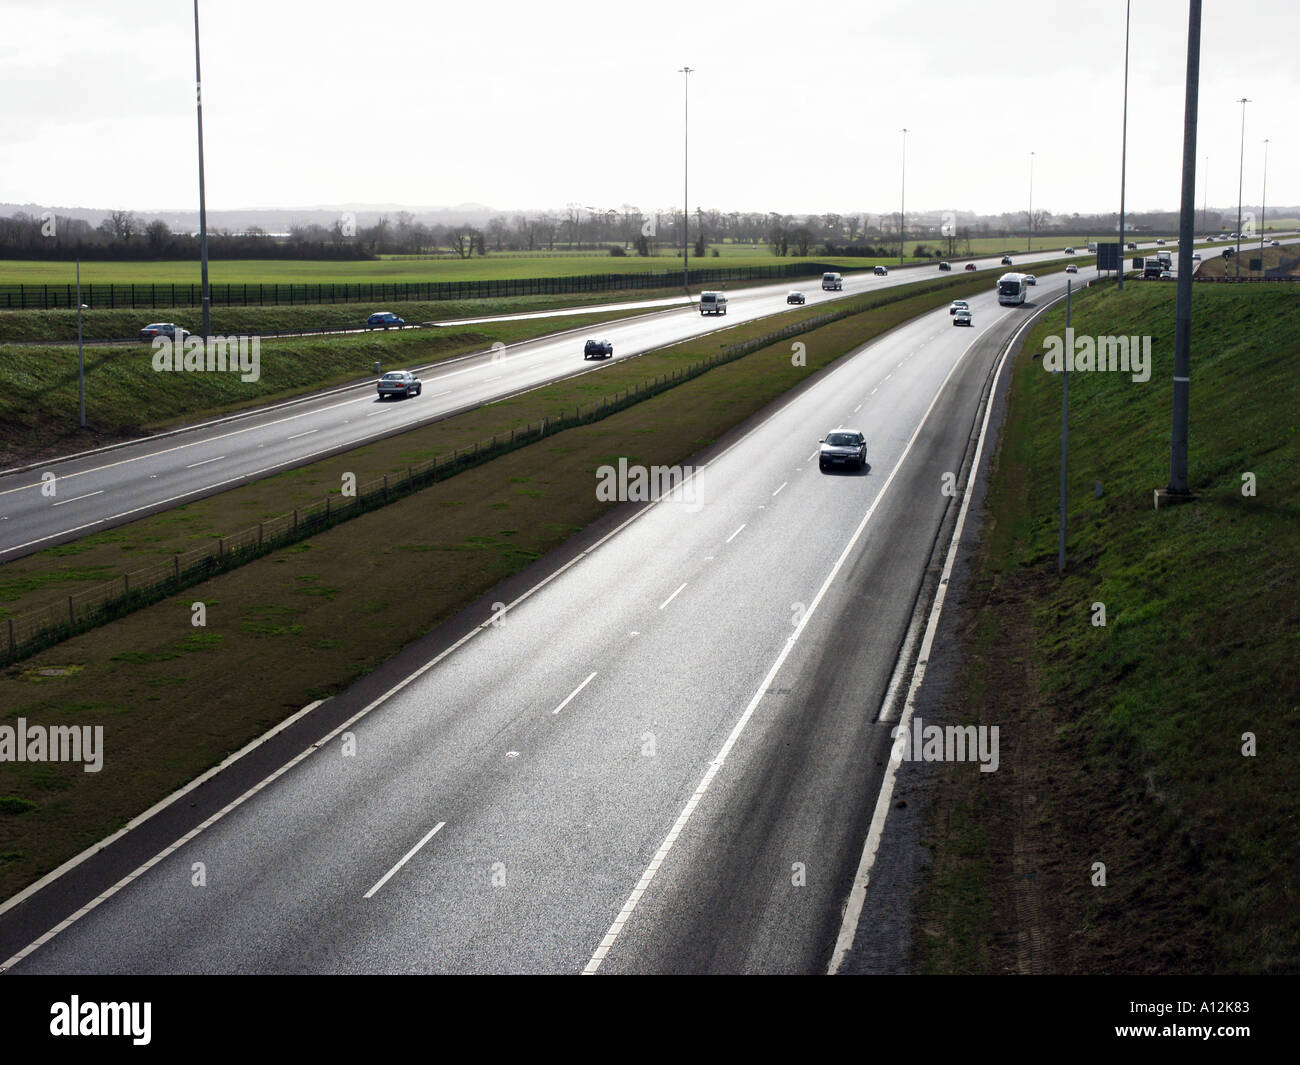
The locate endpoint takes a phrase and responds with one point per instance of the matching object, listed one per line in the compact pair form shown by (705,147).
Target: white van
(832,282)
(713,303)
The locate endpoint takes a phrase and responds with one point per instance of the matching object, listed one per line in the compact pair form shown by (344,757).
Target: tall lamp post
(1123,152)
(686,149)
(1263,201)
(902,202)
(203,209)
(1241,171)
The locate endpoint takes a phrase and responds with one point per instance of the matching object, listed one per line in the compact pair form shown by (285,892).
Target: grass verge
(1123,744)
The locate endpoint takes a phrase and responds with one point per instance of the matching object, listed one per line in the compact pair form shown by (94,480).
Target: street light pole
(1029,244)
(1123,151)
(1241,171)
(81,357)
(1183,305)
(1205,201)
(203,209)
(686,149)
(1263,201)
(902,202)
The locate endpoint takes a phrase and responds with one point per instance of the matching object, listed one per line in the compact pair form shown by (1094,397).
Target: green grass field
(504,266)
(1123,743)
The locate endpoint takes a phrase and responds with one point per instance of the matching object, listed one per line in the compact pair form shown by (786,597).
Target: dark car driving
(163,329)
(844,447)
(598,349)
(384,319)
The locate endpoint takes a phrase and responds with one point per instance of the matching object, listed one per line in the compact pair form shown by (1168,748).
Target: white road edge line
(673,596)
(661,855)
(735,534)
(570,697)
(783,484)
(858,893)
(406,858)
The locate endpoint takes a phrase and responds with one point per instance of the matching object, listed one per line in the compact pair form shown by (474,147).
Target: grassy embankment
(1123,744)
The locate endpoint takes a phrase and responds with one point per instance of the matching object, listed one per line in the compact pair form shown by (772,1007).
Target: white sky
(794,106)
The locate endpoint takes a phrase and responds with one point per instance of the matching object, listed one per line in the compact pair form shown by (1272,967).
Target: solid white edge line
(858,893)
(406,858)
(570,697)
(661,855)
(735,534)
(783,484)
(74,499)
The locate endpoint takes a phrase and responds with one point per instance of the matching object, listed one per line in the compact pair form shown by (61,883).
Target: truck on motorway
(832,282)
(1152,267)
(1092,246)
(1166,259)
(1011,289)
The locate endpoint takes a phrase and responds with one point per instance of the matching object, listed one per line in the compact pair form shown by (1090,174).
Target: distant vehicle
(962,317)
(1072,269)
(598,349)
(1152,268)
(970,266)
(399,383)
(1030,279)
(1196,256)
(1166,259)
(1069,251)
(880,271)
(843,448)
(1006,260)
(832,282)
(1092,245)
(958,305)
(945,266)
(713,303)
(1166,275)
(795,297)
(1161,240)
(164,329)
(383,319)
(1275,244)
(1011,289)
(1130,246)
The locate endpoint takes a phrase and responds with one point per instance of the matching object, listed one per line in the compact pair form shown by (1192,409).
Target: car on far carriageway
(970,266)
(384,319)
(962,317)
(881,271)
(1069,251)
(163,329)
(598,349)
(795,297)
(1072,269)
(958,305)
(1006,260)
(945,266)
(399,383)
(843,447)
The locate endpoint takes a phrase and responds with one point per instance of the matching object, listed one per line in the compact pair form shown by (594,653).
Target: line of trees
(626,230)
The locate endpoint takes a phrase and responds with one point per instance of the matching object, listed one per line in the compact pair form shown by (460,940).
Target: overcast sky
(795,107)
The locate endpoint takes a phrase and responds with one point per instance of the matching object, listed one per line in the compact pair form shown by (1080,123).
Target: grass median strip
(1128,743)
(307,620)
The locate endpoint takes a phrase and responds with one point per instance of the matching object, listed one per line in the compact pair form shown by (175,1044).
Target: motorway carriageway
(98,490)
(629,770)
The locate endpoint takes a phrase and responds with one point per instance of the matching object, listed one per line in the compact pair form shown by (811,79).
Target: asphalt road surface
(662,759)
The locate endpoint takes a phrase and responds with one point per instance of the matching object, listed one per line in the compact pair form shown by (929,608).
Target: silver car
(844,447)
(399,383)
